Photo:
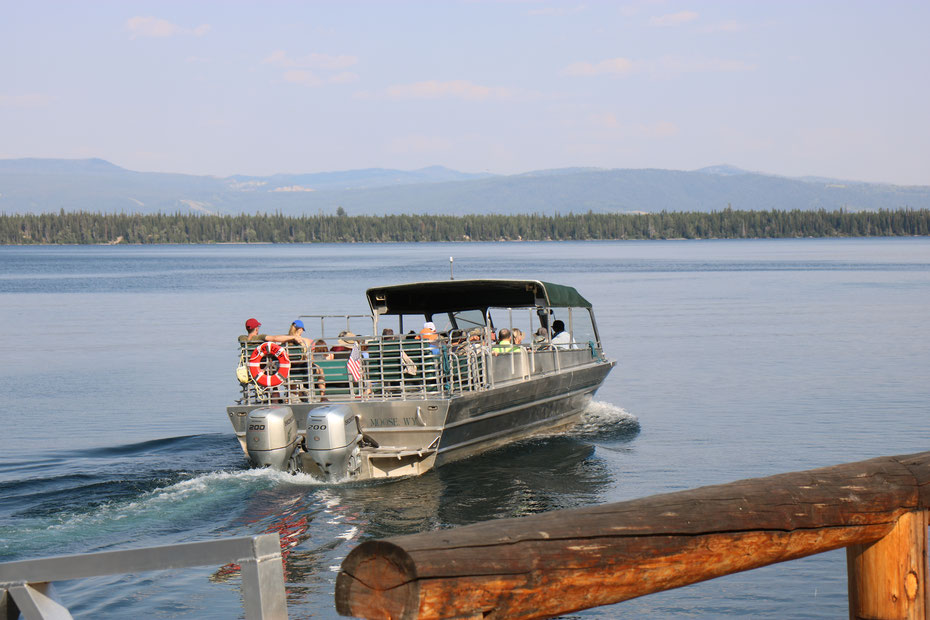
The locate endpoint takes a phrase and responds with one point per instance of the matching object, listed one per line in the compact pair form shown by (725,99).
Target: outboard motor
(271,437)
(333,437)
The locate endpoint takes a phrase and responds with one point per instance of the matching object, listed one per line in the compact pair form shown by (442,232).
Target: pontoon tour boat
(421,381)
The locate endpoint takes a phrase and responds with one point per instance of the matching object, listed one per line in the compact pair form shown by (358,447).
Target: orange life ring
(261,376)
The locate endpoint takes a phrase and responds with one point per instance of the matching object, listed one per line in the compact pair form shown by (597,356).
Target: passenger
(517,337)
(476,338)
(561,338)
(457,341)
(428,333)
(406,363)
(300,362)
(297,329)
(504,344)
(541,337)
(343,347)
(252,325)
(319,352)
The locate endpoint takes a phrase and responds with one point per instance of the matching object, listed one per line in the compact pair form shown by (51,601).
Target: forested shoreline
(102,228)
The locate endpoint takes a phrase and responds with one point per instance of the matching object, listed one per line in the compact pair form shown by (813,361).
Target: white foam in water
(154,509)
(602,417)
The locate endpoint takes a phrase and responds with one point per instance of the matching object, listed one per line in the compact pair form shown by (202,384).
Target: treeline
(100,228)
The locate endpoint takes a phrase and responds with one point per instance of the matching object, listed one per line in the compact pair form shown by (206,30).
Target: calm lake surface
(736,359)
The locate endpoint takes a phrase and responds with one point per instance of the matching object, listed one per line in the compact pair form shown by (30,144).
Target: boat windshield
(466,319)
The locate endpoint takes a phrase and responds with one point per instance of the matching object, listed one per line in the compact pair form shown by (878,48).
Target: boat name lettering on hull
(384,422)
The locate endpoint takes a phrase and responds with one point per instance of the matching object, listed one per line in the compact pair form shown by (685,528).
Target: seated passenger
(504,344)
(517,337)
(343,347)
(428,333)
(457,341)
(561,338)
(541,337)
(475,341)
(321,351)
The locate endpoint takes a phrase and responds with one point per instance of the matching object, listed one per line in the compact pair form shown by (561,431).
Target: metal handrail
(25,585)
(440,370)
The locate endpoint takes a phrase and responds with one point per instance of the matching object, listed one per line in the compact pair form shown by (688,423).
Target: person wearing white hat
(428,333)
(343,346)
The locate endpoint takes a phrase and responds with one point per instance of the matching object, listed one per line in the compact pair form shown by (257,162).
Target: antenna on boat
(451,275)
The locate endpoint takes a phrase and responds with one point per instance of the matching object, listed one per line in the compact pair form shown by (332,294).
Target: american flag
(354,365)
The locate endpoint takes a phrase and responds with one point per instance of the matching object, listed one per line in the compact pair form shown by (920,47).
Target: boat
(420,381)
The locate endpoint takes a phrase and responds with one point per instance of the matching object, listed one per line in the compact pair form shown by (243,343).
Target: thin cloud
(658,130)
(418,143)
(325,62)
(606,121)
(31,100)
(455,89)
(728,26)
(309,78)
(674,19)
(675,65)
(662,129)
(302,76)
(666,66)
(346,77)
(611,66)
(155,27)
(558,11)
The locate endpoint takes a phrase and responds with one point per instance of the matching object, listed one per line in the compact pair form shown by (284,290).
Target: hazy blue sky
(831,88)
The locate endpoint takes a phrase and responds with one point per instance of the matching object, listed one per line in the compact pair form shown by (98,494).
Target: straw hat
(346,339)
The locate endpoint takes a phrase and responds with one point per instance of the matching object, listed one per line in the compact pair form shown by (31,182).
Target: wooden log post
(563,561)
(888,578)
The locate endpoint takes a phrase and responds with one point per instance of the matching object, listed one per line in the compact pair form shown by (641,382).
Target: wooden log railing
(559,562)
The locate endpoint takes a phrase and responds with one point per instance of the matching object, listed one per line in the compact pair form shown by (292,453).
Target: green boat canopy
(450,295)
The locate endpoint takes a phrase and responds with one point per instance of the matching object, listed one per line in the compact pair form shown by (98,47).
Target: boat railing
(405,368)
(26,586)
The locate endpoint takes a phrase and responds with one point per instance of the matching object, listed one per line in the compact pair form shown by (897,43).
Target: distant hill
(48,185)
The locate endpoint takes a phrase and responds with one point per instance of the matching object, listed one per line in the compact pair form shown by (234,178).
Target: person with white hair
(428,333)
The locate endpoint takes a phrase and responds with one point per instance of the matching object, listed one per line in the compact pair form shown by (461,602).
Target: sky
(825,88)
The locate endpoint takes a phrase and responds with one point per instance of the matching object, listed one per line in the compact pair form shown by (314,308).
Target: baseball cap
(299,323)
(252,324)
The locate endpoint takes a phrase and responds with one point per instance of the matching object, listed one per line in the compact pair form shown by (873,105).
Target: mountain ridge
(35,185)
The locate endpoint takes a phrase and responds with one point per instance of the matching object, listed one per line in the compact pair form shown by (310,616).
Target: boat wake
(605,421)
(104,498)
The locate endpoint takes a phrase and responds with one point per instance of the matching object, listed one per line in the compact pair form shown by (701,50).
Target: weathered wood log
(563,561)
(888,578)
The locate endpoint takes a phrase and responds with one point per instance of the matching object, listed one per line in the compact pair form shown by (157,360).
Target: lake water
(736,359)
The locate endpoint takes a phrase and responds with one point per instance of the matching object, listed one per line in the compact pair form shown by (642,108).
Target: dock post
(888,578)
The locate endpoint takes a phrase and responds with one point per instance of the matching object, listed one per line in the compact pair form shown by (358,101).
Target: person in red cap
(252,325)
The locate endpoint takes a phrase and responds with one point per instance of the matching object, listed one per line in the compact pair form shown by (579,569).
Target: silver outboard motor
(271,437)
(333,437)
